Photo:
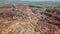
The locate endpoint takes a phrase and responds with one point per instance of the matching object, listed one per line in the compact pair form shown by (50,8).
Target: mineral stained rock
(29,20)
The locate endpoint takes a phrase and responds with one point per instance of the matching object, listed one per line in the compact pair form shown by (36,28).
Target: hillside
(29,20)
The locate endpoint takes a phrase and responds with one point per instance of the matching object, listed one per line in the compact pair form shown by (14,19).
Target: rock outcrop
(29,20)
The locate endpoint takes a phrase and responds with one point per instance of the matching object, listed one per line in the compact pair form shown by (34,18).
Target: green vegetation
(46,4)
(57,8)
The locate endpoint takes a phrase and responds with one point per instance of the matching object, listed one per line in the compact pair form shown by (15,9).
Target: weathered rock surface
(29,20)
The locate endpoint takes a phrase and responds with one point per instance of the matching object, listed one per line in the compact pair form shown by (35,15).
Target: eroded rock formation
(29,20)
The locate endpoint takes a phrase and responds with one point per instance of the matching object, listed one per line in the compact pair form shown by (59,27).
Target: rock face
(29,20)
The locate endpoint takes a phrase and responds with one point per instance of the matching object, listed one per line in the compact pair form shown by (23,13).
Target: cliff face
(29,20)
